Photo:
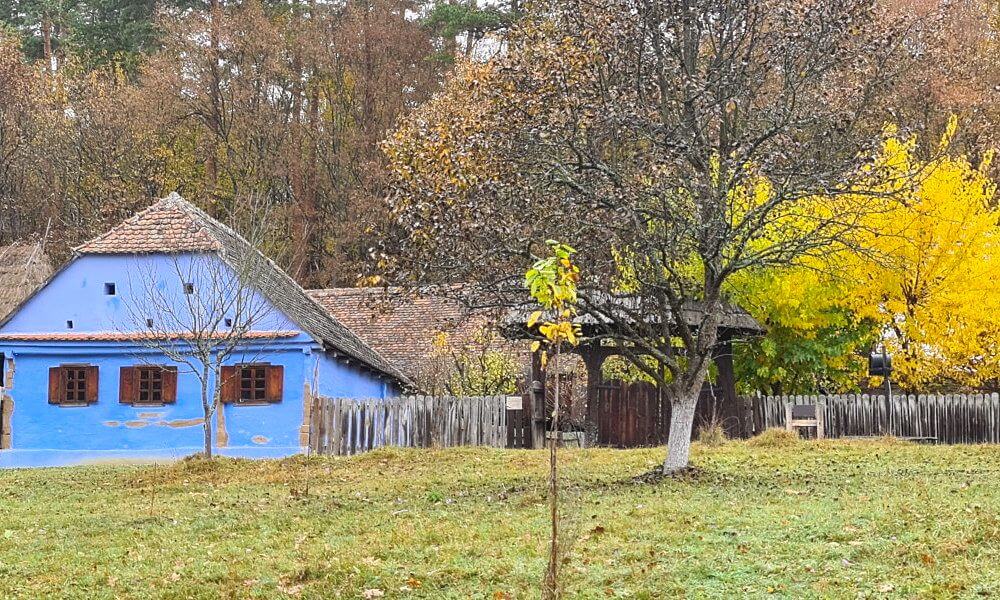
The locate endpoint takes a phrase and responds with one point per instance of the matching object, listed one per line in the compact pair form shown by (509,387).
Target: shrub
(712,434)
(775,438)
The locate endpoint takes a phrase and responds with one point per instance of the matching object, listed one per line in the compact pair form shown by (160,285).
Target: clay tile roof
(734,318)
(174,225)
(163,227)
(23,267)
(402,328)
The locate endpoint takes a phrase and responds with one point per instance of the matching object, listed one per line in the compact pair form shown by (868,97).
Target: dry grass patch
(775,438)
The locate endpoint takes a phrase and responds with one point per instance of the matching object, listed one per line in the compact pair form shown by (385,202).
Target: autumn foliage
(918,277)
(245,100)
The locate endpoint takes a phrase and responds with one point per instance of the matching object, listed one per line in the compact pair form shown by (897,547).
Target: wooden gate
(633,415)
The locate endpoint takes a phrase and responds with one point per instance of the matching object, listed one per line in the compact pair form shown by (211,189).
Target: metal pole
(887,373)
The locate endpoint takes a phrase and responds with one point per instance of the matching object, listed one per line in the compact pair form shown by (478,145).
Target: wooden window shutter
(55,385)
(230,390)
(275,383)
(169,389)
(127,392)
(92,378)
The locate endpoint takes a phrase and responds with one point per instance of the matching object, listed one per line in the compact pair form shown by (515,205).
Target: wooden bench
(805,416)
(567,438)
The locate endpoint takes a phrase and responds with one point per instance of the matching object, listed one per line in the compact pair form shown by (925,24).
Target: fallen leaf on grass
(291,590)
(372,593)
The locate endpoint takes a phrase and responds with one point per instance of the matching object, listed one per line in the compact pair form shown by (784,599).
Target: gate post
(6,401)
(537,392)
(593,356)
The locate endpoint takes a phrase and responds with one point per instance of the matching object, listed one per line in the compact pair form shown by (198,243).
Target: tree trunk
(208,437)
(679,443)
(206,408)
(211,159)
(47,41)
(551,590)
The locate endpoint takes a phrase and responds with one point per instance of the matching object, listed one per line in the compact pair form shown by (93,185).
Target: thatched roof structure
(23,267)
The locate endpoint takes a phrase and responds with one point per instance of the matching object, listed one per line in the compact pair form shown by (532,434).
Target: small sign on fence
(515,403)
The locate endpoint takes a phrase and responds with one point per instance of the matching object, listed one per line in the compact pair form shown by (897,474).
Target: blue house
(94,365)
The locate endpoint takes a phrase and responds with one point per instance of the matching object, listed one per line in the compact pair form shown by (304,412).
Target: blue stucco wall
(44,434)
(338,379)
(77,294)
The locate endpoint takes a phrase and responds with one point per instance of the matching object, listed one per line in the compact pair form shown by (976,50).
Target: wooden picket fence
(341,426)
(944,418)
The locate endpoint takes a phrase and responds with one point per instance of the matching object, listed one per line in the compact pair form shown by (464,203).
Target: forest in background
(106,105)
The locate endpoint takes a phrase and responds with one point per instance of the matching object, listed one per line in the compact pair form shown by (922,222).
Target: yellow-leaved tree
(916,271)
(552,282)
(815,340)
(927,274)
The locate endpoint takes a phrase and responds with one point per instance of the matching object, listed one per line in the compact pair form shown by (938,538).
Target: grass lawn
(806,519)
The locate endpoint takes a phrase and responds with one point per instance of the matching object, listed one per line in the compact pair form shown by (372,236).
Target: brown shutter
(55,385)
(275,383)
(126,385)
(92,377)
(170,385)
(230,389)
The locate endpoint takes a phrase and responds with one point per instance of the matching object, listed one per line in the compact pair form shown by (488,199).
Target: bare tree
(674,143)
(17,109)
(203,310)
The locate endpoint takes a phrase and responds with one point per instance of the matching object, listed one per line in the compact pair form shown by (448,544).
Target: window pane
(252,383)
(74,385)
